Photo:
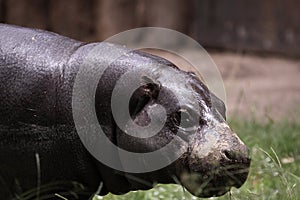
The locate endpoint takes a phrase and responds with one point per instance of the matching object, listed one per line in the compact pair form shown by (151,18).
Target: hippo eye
(187,120)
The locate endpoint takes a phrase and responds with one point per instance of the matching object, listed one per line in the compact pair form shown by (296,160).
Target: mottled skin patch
(216,161)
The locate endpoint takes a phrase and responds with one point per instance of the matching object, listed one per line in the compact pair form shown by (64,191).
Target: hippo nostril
(237,156)
(234,155)
(230,155)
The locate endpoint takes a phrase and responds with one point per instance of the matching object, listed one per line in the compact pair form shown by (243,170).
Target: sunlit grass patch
(269,178)
(160,192)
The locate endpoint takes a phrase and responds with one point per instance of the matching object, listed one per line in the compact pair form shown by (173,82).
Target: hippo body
(36,118)
(40,150)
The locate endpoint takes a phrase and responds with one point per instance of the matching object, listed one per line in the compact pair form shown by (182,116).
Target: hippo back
(38,141)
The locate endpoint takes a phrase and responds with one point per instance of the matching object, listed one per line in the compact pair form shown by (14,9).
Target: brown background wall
(260,25)
(256,25)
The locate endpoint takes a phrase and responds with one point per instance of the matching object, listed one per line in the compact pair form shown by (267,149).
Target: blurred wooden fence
(257,25)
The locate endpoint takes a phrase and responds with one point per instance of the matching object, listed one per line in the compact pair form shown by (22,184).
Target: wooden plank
(173,14)
(30,13)
(116,16)
(2,10)
(72,18)
(113,17)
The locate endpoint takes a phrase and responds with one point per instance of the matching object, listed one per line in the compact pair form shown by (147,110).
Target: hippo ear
(142,96)
(218,105)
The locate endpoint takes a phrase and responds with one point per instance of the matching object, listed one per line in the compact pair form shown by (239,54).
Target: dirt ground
(260,87)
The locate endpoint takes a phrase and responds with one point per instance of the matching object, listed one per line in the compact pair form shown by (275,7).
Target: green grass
(275,167)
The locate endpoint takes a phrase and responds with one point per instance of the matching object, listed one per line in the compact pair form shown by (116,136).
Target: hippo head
(214,158)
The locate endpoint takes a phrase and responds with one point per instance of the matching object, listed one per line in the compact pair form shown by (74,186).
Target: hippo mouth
(215,181)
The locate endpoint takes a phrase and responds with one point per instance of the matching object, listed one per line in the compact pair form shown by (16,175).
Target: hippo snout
(217,161)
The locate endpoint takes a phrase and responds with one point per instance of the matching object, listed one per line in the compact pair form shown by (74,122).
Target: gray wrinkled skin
(39,145)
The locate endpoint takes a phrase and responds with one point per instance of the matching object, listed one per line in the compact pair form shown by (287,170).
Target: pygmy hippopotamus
(41,152)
